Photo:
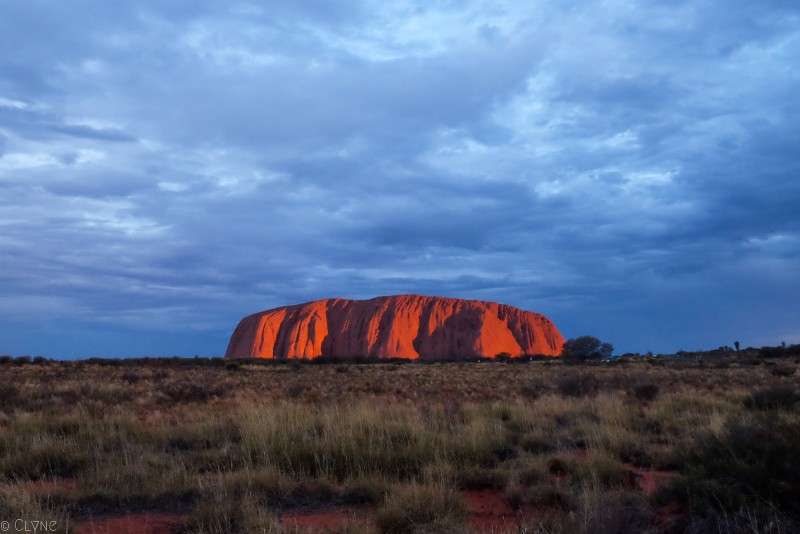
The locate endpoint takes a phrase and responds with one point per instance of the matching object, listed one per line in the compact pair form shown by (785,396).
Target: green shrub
(585,348)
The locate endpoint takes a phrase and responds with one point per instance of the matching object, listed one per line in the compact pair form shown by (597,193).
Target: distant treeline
(780,351)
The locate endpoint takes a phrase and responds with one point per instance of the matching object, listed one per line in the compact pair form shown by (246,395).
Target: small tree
(736,344)
(585,348)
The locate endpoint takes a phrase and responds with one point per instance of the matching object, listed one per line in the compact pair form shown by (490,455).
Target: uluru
(402,326)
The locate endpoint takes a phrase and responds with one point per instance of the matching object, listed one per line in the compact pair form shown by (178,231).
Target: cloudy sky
(629,169)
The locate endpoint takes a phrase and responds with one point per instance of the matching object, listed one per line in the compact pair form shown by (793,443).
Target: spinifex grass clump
(26,512)
(610,511)
(418,509)
(344,442)
(37,447)
(230,509)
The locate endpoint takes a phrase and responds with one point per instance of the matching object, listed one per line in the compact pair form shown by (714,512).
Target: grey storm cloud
(630,170)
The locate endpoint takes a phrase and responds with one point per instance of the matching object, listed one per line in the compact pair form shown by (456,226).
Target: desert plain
(700,442)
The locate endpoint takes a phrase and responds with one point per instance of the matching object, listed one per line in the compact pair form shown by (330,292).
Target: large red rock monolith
(405,326)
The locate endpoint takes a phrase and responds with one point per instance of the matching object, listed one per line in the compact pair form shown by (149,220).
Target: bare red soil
(648,480)
(132,524)
(328,518)
(489,511)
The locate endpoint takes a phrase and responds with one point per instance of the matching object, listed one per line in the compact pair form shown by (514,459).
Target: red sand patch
(489,511)
(648,480)
(327,519)
(131,524)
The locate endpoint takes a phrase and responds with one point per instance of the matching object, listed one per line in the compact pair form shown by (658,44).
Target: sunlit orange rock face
(405,326)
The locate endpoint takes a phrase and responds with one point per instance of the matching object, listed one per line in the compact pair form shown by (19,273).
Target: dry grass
(235,447)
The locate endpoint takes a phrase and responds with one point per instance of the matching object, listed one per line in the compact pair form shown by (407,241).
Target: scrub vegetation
(699,443)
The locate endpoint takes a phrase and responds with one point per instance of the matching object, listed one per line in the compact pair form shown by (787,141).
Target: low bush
(479,478)
(537,442)
(772,398)
(783,371)
(645,392)
(533,389)
(187,391)
(9,396)
(578,385)
(542,495)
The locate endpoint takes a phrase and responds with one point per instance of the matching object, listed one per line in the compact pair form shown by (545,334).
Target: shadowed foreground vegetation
(240,447)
